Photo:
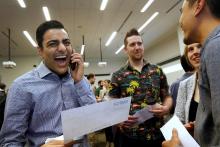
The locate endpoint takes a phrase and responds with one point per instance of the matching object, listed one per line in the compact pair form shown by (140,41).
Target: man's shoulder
(121,70)
(29,76)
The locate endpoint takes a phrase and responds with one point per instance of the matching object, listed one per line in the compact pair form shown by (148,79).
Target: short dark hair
(186,66)
(132,32)
(214,6)
(91,75)
(2,86)
(44,27)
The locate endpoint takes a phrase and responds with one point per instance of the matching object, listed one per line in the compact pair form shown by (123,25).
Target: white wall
(163,50)
(24,64)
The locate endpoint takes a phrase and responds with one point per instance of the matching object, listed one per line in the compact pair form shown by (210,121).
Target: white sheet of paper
(185,138)
(144,114)
(83,120)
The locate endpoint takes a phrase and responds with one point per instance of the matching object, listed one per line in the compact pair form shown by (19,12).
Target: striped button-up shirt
(34,104)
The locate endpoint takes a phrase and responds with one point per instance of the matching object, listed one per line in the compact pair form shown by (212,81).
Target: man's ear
(40,51)
(199,6)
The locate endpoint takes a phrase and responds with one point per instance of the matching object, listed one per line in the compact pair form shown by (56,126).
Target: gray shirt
(207,126)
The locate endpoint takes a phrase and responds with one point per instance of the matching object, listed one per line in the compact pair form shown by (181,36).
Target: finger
(174,133)
(56,142)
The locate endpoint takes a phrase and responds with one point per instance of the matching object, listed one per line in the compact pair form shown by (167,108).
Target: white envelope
(83,120)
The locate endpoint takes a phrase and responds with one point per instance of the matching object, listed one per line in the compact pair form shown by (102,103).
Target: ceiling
(83,17)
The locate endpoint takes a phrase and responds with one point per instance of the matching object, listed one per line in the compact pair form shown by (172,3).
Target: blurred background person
(2,102)
(175,85)
(91,78)
(188,93)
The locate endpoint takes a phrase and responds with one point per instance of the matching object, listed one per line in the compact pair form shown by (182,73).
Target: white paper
(144,114)
(185,138)
(61,138)
(83,120)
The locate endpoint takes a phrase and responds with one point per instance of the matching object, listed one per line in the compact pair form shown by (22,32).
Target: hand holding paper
(185,138)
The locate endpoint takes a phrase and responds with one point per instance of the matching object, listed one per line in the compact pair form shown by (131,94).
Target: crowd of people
(32,107)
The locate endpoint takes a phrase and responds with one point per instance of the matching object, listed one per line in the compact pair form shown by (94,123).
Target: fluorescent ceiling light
(119,49)
(172,68)
(86,64)
(82,49)
(21,3)
(111,38)
(147,5)
(148,21)
(102,64)
(28,36)
(103,5)
(46,13)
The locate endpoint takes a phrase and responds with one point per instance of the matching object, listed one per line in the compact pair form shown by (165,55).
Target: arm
(212,63)
(84,92)
(83,88)
(161,110)
(180,102)
(17,114)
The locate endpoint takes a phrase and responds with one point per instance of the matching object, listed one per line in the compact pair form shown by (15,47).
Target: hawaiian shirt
(146,88)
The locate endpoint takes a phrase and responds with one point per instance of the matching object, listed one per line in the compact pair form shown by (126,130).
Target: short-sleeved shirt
(146,87)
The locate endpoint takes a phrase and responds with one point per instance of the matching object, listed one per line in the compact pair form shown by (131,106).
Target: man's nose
(61,47)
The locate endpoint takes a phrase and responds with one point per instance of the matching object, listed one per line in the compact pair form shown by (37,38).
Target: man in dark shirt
(147,85)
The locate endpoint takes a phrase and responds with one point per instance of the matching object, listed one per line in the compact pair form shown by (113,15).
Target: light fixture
(122,47)
(101,63)
(46,13)
(147,5)
(28,36)
(21,3)
(82,52)
(103,5)
(9,64)
(111,38)
(148,21)
(172,68)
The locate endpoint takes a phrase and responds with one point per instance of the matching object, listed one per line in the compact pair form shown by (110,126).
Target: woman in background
(188,93)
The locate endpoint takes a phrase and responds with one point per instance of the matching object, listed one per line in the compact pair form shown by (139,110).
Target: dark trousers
(121,140)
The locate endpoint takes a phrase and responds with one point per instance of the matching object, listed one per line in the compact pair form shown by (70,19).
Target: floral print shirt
(146,88)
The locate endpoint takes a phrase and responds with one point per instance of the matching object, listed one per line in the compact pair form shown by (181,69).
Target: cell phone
(72,65)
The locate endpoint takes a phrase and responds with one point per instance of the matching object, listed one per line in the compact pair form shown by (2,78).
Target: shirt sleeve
(180,103)
(212,62)
(17,112)
(85,92)
(164,88)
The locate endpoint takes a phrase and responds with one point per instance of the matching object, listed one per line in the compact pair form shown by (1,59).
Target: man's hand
(130,122)
(160,110)
(58,143)
(78,72)
(174,142)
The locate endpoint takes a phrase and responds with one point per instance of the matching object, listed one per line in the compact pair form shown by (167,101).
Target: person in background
(91,78)
(147,85)
(2,102)
(97,91)
(175,85)
(188,93)
(36,99)
(200,22)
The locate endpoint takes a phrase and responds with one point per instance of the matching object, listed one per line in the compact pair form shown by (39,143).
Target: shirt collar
(215,32)
(128,65)
(43,70)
